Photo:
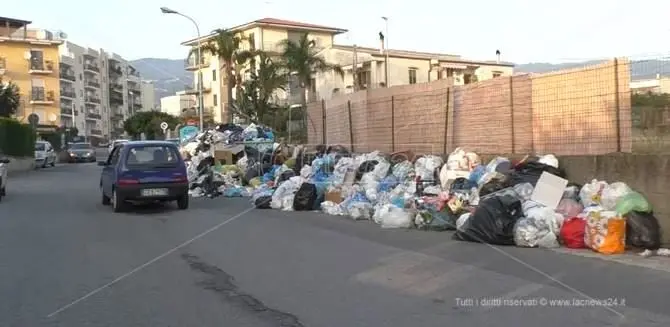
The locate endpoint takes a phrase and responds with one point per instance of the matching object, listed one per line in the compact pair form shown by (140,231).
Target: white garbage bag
(612,193)
(591,193)
(425,166)
(402,170)
(332,208)
(289,187)
(380,212)
(360,210)
(460,222)
(540,227)
(549,160)
(397,218)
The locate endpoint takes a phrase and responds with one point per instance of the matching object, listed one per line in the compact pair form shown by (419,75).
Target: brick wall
(572,112)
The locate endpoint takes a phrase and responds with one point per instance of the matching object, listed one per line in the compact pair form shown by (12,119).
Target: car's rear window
(80,146)
(152,155)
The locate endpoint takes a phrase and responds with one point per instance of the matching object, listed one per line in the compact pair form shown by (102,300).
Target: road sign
(164,126)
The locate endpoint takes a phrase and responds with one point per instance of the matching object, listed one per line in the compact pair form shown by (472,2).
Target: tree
(10,99)
(148,122)
(226,46)
(302,59)
(257,98)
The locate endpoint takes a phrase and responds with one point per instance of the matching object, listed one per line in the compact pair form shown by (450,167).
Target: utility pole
(354,68)
(386,49)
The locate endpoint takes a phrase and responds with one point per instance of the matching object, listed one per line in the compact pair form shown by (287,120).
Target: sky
(523,30)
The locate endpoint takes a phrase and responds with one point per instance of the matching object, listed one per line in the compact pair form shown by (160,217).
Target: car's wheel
(44,165)
(105,199)
(3,191)
(53,163)
(118,204)
(182,202)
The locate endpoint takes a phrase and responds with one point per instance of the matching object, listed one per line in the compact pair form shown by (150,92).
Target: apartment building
(404,67)
(29,58)
(99,90)
(264,34)
(179,104)
(660,84)
(148,90)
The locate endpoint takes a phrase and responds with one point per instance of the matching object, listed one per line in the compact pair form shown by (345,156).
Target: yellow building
(29,58)
(264,34)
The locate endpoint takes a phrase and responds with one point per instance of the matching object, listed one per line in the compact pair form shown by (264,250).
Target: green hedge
(16,139)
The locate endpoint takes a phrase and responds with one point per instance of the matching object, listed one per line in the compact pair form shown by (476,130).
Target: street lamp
(386,59)
(166,10)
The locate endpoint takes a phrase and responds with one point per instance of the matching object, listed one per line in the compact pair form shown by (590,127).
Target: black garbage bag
(365,167)
(495,185)
(263,202)
(643,230)
(530,172)
(285,176)
(492,222)
(462,184)
(305,197)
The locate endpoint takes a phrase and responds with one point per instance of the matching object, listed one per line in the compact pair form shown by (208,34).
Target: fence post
(446,122)
(617,105)
(392,123)
(351,127)
(323,122)
(511,111)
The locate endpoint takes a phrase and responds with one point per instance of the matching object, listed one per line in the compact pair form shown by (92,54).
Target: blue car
(144,171)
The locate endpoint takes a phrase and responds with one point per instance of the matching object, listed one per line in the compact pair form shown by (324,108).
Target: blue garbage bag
(233,192)
(387,184)
(477,174)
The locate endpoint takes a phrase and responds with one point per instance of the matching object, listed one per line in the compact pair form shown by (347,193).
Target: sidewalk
(655,262)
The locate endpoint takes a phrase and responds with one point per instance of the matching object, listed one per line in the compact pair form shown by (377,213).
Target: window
(497,74)
(467,78)
(81,93)
(40,146)
(412,76)
(81,77)
(450,72)
(80,60)
(215,100)
(214,75)
(114,156)
(152,155)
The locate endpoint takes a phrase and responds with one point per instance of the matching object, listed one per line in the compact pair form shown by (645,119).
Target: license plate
(155,192)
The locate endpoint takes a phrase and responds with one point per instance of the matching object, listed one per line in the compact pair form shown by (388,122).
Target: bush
(16,139)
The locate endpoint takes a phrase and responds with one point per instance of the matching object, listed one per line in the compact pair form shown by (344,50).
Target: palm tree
(302,59)
(257,97)
(10,99)
(226,46)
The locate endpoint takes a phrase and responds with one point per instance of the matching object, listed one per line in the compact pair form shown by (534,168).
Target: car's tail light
(127,181)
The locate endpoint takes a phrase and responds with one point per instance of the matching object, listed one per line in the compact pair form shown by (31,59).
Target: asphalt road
(66,260)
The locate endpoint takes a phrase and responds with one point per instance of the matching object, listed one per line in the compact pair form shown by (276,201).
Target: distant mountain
(641,69)
(169,75)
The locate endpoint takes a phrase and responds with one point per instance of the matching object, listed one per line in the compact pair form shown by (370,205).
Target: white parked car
(44,154)
(3,176)
(115,143)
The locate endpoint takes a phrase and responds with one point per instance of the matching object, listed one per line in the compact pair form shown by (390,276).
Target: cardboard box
(333,196)
(226,154)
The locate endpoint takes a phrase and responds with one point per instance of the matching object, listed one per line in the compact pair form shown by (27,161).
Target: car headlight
(72,154)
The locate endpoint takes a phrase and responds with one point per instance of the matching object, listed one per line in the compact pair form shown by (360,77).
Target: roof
(149,142)
(423,55)
(273,22)
(13,22)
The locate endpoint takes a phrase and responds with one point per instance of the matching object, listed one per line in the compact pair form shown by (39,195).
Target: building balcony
(66,111)
(193,90)
(67,75)
(91,83)
(93,116)
(44,67)
(70,94)
(94,132)
(40,96)
(113,87)
(117,116)
(116,98)
(134,87)
(3,65)
(92,99)
(91,67)
(192,64)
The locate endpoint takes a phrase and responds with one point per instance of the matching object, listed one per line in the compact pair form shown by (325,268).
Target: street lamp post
(166,10)
(386,59)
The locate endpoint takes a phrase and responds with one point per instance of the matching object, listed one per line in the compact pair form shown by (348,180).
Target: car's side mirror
(5,161)
(102,163)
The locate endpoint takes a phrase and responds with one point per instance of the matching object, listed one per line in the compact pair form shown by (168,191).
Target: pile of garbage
(219,160)
(527,203)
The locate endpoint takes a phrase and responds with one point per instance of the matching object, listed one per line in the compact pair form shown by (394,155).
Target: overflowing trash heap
(527,203)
